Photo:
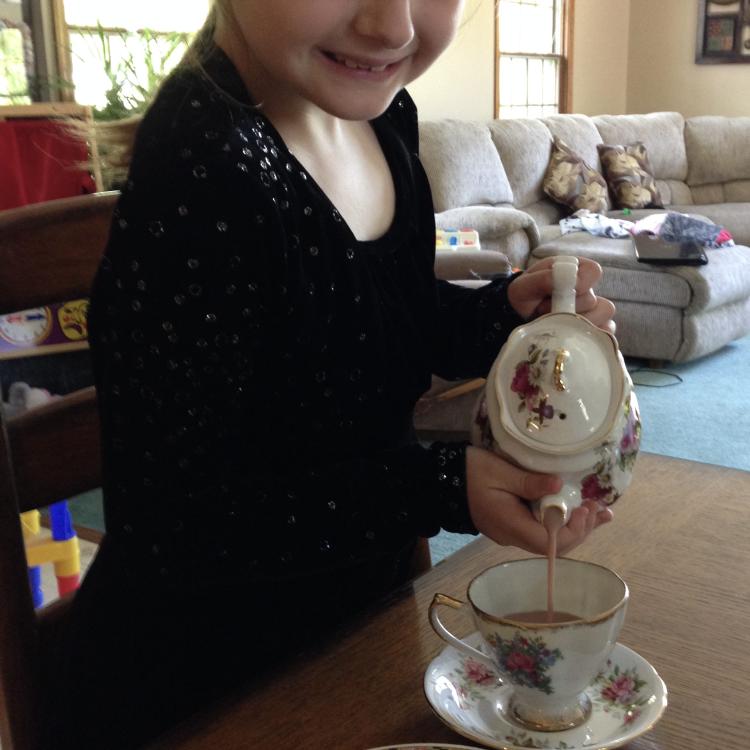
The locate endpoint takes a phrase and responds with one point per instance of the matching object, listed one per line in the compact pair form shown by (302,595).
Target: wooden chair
(49,253)
(56,111)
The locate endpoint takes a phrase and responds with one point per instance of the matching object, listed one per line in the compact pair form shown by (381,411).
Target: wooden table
(681,540)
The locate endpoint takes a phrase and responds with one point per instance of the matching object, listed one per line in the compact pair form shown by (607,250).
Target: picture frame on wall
(720,35)
(723,31)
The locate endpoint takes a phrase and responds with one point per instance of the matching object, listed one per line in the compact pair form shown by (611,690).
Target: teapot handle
(564,274)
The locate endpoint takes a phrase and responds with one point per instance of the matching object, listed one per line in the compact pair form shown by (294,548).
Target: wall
(11,10)
(600,56)
(461,83)
(662,74)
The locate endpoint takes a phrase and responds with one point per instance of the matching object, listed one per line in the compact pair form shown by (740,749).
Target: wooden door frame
(62,48)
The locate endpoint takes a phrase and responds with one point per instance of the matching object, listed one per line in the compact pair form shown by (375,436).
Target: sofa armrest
(492,222)
(453,265)
(503,229)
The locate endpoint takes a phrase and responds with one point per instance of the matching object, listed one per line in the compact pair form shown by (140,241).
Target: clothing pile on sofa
(670,226)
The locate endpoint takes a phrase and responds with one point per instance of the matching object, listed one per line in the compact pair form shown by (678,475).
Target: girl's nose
(387,21)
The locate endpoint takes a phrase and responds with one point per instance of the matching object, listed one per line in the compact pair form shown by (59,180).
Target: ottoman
(667,313)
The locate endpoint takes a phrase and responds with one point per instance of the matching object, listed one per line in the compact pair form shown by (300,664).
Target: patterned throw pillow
(629,176)
(571,181)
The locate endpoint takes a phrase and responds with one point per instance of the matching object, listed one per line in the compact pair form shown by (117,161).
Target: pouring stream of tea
(553,521)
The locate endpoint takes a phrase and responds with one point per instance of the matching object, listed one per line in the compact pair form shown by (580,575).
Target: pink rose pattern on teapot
(526,383)
(599,485)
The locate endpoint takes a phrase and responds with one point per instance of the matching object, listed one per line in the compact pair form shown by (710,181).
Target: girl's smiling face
(346,57)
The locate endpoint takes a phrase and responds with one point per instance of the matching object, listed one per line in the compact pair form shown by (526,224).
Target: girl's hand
(530,293)
(496,490)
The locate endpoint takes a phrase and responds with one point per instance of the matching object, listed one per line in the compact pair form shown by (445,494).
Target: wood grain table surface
(680,539)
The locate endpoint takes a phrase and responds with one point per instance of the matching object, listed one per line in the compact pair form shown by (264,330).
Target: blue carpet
(698,411)
(87,510)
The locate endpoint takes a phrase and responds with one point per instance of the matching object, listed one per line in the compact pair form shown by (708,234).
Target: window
(531,75)
(16,62)
(115,54)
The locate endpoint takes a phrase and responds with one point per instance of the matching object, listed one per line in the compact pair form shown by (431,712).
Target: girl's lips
(361,67)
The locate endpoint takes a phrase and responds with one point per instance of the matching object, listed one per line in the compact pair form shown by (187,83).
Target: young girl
(264,320)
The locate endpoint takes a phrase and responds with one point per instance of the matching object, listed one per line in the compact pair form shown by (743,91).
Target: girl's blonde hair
(115,139)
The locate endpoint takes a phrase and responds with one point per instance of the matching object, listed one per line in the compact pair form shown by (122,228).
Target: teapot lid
(560,384)
(559,381)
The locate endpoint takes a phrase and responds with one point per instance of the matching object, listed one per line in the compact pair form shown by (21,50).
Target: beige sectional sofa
(489,175)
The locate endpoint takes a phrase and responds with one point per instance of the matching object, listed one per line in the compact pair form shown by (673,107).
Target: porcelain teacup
(547,664)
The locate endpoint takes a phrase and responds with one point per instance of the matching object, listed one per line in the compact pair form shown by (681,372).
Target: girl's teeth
(357,66)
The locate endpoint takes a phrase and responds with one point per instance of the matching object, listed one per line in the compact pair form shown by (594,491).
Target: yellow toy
(62,550)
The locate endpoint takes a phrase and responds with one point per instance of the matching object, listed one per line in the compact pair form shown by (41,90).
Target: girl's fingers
(497,493)
(530,293)
(601,313)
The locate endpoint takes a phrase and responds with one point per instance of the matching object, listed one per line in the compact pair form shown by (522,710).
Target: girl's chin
(369,110)
(357,104)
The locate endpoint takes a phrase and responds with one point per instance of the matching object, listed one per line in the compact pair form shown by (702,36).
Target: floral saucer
(628,697)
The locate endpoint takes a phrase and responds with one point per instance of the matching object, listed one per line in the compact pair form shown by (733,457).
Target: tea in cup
(547,658)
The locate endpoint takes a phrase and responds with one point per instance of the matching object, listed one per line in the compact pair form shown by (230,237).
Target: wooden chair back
(56,111)
(49,253)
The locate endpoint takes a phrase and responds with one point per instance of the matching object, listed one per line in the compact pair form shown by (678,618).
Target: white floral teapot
(559,400)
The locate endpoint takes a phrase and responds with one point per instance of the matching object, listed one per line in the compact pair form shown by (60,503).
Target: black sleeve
(471,326)
(185,323)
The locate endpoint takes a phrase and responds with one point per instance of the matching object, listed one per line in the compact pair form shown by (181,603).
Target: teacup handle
(448,601)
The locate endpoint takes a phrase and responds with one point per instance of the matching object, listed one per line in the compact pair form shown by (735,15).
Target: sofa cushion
(579,132)
(624,277)
(737,191)
(462,164)
(629,176)
(718,149)
(661,132)
(571,181)
(674,191)
(546,212)
(524,145)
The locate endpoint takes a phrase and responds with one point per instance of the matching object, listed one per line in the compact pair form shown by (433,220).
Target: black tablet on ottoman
(652,249)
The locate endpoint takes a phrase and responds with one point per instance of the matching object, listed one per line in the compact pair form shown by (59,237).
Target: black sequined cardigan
(257,366)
